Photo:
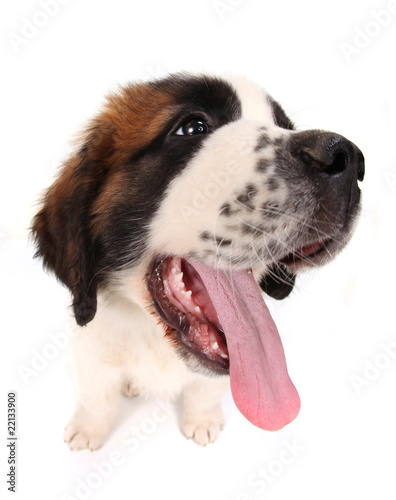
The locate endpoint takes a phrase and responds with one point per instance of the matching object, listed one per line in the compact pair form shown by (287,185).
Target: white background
(315,59)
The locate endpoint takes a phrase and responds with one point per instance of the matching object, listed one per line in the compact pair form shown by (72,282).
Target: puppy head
(184,166)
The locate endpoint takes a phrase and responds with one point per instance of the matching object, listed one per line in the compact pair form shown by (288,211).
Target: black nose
(329,156)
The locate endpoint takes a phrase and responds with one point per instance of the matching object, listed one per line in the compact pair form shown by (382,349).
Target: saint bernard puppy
(187,195)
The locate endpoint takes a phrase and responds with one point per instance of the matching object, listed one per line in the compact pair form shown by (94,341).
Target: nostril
(330,165)
(328,155)
(339,164)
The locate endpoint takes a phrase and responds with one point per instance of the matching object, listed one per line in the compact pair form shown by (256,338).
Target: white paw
(83,432)
(79,439)
(205,430)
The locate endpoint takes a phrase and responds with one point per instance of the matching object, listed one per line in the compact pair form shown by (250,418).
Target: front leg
(98,386)
(203,414)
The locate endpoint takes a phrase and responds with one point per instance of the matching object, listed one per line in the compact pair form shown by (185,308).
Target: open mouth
(182,301)
(307,254)
(221,319)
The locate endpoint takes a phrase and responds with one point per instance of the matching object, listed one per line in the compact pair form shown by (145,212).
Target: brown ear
(61,229)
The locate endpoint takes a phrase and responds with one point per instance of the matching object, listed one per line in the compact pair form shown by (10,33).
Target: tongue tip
(279,422)
(272,417)
(273,423)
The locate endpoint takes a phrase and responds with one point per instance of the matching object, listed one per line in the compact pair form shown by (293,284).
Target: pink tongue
(260,384)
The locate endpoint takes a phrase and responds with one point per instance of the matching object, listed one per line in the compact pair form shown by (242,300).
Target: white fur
(253,99)
(123,350)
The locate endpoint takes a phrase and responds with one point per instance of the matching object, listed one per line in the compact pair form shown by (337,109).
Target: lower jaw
(198,362)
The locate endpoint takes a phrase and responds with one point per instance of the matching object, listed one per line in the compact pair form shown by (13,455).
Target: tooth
(179,276)
(173,270)
(198,309)
(223,355)
(214,345)
(188,294)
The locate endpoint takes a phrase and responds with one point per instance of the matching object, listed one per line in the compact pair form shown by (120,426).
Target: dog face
(183,187)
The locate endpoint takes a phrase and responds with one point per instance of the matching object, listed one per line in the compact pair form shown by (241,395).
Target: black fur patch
(263,165)
(272,183)
(263,142)
(246,196)
(226,210)
(279,115)
(220,241)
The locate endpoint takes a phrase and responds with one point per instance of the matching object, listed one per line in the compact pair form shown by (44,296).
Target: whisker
(277,277)
(289,249)
(303,221)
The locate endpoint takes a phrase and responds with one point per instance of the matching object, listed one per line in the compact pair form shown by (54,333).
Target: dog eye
(193,127)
